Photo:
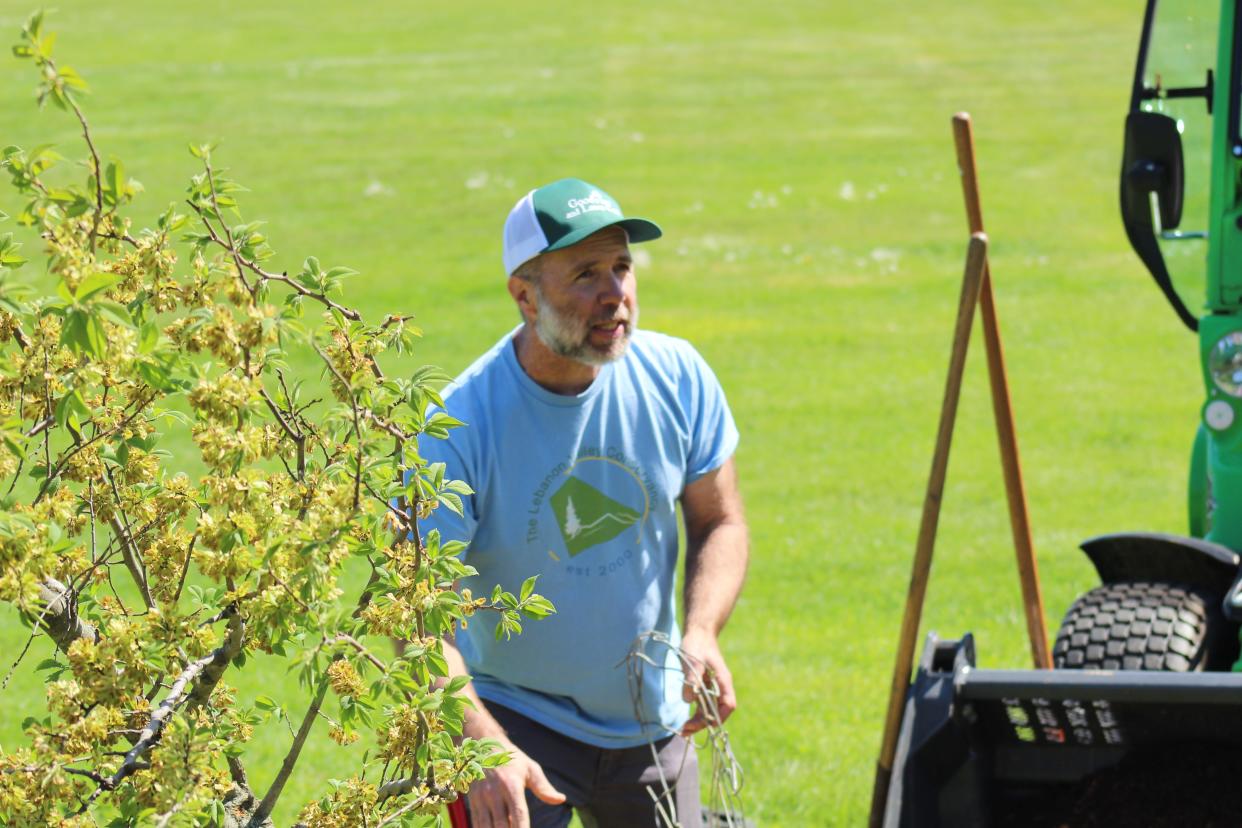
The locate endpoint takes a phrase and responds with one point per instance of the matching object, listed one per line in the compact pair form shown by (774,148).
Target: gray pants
(609,788)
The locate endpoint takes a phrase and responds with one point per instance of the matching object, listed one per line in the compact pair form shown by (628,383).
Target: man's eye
(586,274)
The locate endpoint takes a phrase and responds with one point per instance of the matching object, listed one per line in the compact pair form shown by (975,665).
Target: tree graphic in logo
(572,526)
(586,516)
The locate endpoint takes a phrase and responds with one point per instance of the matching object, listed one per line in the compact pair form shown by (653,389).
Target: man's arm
(498,800)
(716,556)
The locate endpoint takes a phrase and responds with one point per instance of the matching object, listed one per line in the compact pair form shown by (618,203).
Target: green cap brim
(638,230)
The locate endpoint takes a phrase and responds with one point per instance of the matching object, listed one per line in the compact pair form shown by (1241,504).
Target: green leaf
(452,502)
(156,376)
(95,283)
(34,24)
(17,449)
(538,607)
(508,626)
(148,337)
(70,407)
(73,331)
(444,421)
(115,311)
(495,760)
(114,182)
(459,487)
(70,77)
(436,664)
(96,337)
(528,587)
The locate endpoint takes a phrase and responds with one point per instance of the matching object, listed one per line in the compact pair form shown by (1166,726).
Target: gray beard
(569,338)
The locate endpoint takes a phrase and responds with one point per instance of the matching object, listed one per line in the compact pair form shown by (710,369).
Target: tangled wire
(723,805)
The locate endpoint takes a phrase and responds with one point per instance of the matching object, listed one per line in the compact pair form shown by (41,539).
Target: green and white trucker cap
(563,213)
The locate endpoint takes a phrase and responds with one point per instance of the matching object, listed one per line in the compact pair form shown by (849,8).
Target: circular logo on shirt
(595,499)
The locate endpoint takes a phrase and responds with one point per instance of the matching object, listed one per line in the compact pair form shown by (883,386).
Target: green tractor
(1182,163)
(1145,705)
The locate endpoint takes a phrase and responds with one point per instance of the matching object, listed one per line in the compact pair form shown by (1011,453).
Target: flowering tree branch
(180,329)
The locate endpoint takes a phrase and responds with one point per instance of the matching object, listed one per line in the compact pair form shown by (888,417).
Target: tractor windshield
(1175,77)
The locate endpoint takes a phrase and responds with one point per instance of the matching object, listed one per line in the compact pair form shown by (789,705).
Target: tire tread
(1140,625)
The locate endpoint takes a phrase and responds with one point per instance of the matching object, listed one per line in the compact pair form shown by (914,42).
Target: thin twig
(20,657)
(228,232)
(47,435)
(413,804)
(363,651)
(289,430)
(185,568)
(291,758)
(167,816)
(272,574)
(90,144)
(353,404)
(54,472)
(266,275)
(40,426)
(389,427)
(724,791)
(21,461)
(132,559)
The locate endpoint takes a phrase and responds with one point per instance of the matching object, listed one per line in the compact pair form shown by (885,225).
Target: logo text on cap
(591,204)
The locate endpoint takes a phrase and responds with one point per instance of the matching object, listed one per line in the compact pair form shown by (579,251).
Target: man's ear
(523,293)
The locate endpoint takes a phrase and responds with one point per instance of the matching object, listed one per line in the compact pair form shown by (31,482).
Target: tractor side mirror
(1152,163)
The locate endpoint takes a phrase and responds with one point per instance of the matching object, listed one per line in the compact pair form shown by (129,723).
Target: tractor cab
(1166,162)
(1181,205)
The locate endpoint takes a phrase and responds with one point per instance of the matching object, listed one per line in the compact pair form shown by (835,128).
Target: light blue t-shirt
(582,491)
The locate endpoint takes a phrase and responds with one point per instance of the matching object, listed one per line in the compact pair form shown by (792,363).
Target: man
(583,433)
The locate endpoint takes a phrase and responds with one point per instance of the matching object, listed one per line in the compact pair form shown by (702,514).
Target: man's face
(586,298)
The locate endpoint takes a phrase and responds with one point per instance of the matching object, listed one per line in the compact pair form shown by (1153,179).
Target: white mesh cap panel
(524,238)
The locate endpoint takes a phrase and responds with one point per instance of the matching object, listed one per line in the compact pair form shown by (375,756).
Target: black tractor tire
(1143,626)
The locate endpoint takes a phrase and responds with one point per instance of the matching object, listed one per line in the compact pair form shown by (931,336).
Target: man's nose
(613,290)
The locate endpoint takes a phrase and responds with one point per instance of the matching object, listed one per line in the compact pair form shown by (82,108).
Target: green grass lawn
(799,158)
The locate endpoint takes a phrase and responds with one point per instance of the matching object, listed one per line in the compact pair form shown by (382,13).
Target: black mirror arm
(1205,91)
(1143,240)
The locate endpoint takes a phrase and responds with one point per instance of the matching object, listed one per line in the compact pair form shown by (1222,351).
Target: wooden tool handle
(1002,408)
(976,258)
(964,143)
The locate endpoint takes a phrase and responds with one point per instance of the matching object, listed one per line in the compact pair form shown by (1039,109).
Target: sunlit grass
(800,160)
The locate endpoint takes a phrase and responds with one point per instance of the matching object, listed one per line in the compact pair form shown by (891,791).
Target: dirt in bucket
(1169,786)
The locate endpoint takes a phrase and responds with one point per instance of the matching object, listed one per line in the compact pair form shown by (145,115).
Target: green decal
(587,516)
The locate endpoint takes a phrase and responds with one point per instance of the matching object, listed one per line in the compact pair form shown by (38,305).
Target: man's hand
(498,800)
(704,666)
(716,555)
